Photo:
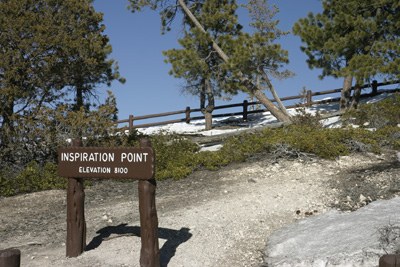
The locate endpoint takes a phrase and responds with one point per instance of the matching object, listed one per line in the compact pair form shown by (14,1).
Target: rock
(362,198)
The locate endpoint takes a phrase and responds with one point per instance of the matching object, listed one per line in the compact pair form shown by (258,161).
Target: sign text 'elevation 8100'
(106,162)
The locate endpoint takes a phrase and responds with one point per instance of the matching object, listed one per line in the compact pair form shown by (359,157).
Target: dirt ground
(211,218)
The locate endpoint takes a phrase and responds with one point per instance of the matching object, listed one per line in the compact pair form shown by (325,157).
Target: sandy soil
(212,218)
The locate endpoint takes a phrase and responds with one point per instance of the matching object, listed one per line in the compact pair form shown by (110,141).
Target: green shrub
(31,179)
(175,157)
(375,115)
(389,136)
(6,188)
(211,160)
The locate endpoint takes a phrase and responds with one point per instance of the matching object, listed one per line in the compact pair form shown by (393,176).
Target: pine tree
(258,54)
(352,39)
(168,13)
(46,47)
(196,63)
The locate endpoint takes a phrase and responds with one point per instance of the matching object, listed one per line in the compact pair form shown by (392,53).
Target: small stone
(348,198)
(105,217)
(362,198)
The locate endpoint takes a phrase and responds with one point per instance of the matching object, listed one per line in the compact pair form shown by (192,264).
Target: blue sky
(138,44)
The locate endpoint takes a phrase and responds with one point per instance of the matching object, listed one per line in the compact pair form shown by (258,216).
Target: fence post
(389,261)
(187,114)
(130,122)
(10,257)
(245,105)
(309,98)
(374,87)
(76,225)
(150,251)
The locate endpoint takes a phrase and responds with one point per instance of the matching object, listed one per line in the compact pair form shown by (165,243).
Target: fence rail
(308,97)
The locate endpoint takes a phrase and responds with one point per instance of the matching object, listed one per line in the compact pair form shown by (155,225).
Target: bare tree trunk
(346,93)
(208,118)
(258,82)
(207,110)
(276,112)
(276,97)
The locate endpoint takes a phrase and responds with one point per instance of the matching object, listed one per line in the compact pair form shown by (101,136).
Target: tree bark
(206,90)
(276,97)
(357,93)
(79,94)
(276,112)
(258,82)
(346,93)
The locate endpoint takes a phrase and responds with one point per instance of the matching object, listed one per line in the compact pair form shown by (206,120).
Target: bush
(33,178)
(175,157)
(375,115)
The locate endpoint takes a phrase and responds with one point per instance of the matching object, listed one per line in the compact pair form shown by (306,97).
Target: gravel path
(212,218)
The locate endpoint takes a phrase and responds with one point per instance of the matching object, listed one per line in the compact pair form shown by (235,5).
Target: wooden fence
(374,86)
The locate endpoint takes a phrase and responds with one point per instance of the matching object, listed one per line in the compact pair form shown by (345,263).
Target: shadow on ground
(167,252)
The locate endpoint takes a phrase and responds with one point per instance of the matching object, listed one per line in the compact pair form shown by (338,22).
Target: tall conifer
(196,63)
(353,39)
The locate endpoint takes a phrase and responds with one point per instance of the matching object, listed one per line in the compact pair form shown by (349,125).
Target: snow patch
(335,238)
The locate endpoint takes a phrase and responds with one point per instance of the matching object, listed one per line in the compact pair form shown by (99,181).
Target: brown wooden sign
(107,162)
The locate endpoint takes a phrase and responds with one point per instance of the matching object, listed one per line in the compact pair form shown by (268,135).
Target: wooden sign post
(138,163)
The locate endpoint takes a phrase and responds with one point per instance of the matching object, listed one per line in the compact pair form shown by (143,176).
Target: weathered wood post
(187,112)
(130,122)
(389,261)
(10,257)
(76,225)
(309,98)
(150,252)
(245,105)
(374,87)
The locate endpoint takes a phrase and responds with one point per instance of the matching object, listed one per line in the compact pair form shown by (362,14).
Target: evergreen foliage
(196,63)
(49,48)
(258,55)
(38,137)
(352,39)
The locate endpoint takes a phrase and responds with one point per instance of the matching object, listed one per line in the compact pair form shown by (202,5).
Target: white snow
(336,238)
